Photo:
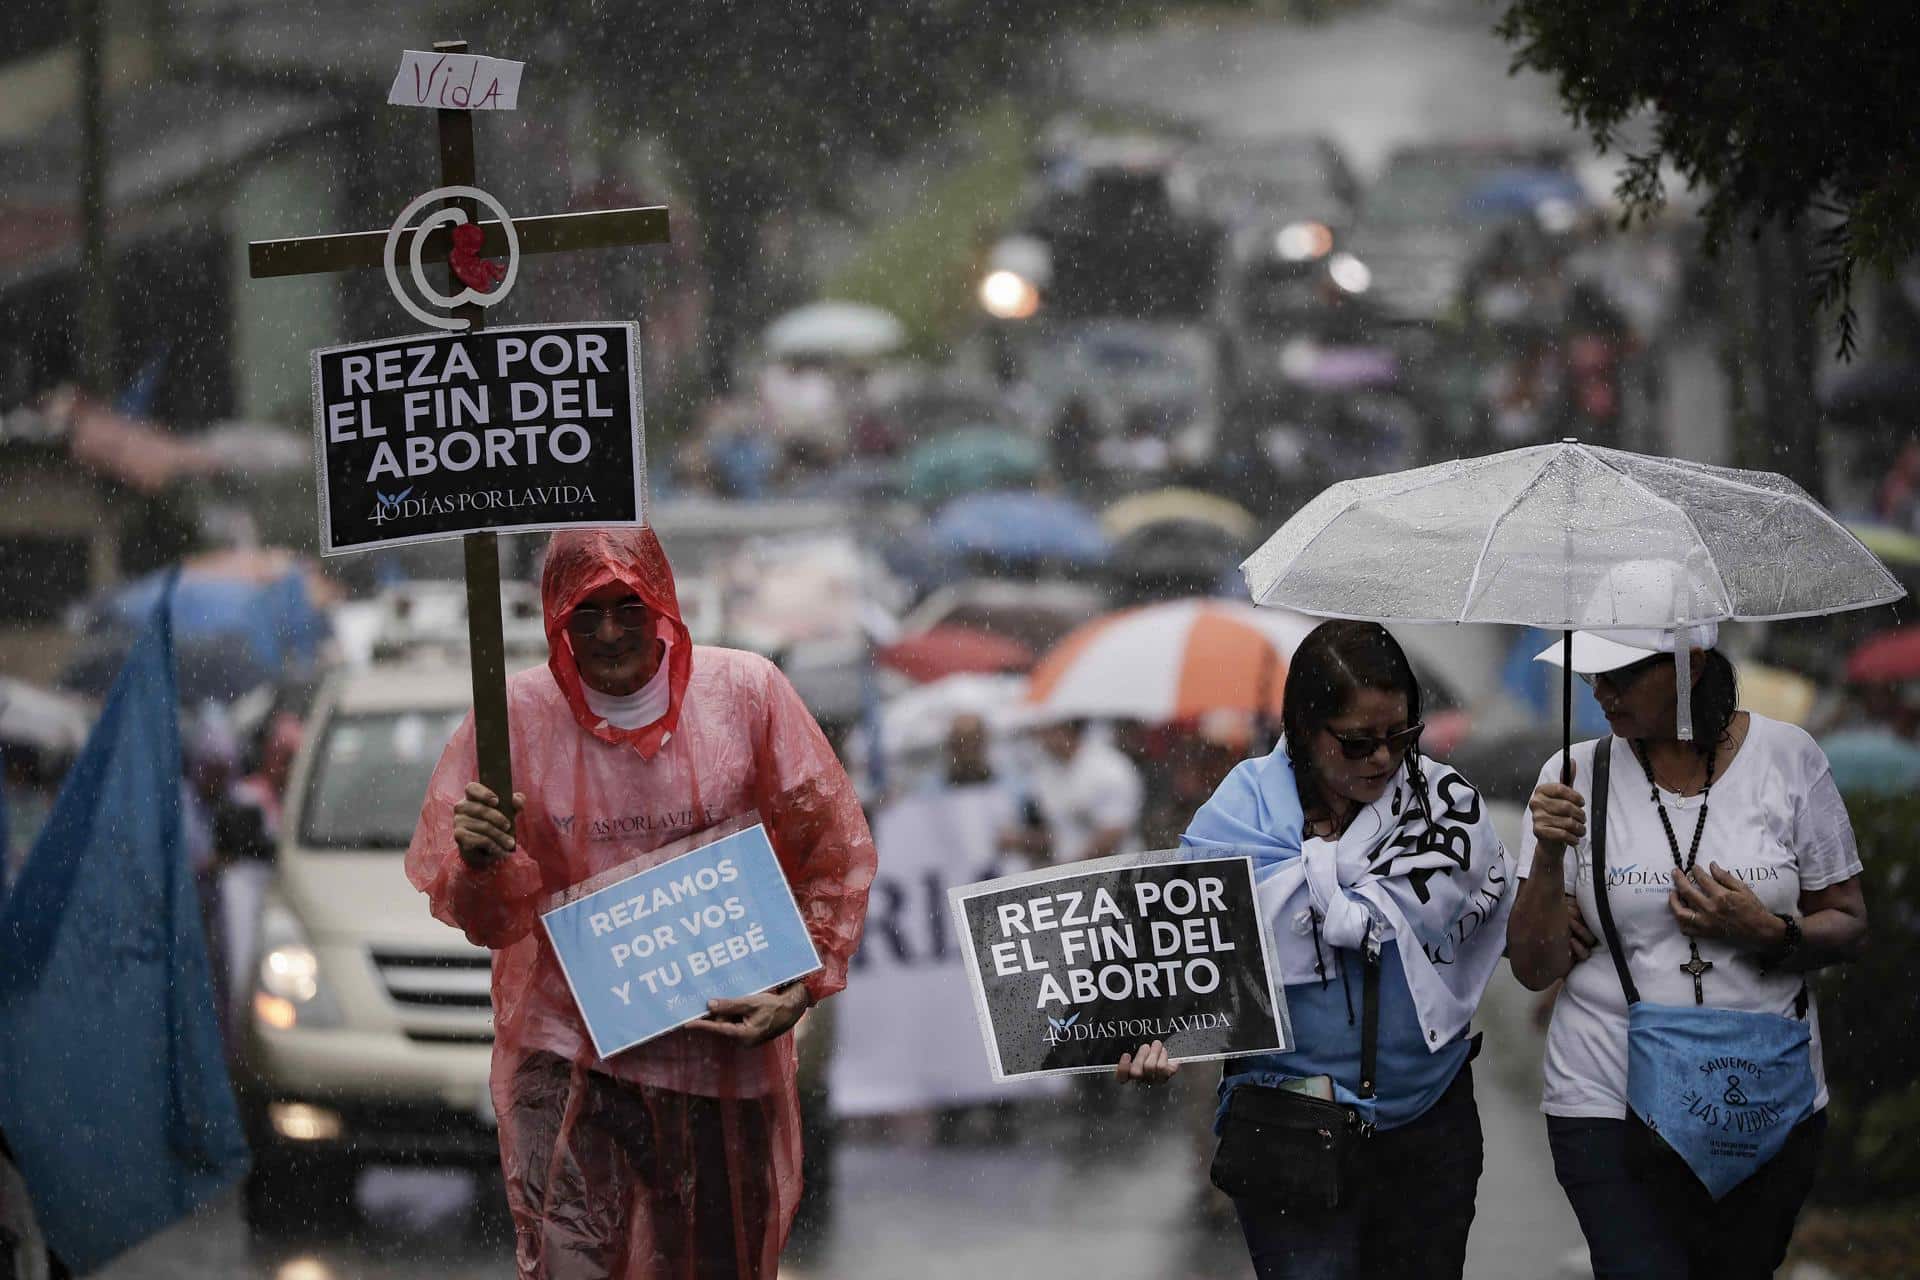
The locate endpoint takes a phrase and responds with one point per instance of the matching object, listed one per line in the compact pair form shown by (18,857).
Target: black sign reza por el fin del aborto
(1073,966)
(511,429)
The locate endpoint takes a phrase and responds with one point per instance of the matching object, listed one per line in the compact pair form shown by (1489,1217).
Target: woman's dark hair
(1716,696)
(1336,660)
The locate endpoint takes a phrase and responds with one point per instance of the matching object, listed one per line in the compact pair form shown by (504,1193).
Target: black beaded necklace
(1695,967)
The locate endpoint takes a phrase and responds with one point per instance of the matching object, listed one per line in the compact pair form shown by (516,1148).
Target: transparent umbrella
(1571,537)
(851,330)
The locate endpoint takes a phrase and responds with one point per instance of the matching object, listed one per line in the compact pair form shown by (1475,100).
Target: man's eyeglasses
(1623,678)
(631,616)
(1359,746)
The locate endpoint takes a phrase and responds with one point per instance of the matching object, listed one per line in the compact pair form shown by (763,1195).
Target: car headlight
(288,991)
(1007,295)
(1303,241)
(1351,274)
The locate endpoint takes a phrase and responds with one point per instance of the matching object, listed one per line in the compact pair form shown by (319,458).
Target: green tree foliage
(1774,108)
(1872,1054)
(770,105)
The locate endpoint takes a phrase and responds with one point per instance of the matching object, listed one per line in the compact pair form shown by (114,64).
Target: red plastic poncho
(680,1157)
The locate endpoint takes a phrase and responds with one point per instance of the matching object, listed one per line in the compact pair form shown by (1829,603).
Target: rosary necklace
(1695,967)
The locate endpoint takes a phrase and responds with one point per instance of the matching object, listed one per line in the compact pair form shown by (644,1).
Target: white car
(369,1027)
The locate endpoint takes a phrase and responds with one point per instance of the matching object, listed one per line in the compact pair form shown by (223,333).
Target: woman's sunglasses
(585,620)
(1623,678)
(1361,745)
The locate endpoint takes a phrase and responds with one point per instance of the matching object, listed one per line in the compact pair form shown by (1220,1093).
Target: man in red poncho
(680,1157)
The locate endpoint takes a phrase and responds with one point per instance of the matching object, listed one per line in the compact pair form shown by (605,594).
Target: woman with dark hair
(1684,1086)
(1357,1153)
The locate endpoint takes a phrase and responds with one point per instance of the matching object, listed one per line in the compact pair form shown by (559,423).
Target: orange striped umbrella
(1171,661)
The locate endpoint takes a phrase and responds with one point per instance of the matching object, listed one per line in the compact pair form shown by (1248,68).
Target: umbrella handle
(1566,708)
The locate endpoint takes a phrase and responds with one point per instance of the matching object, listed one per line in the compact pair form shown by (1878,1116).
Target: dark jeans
(1646,1217)
(1404,1213)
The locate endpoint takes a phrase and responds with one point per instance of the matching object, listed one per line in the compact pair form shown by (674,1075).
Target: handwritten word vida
(439,84)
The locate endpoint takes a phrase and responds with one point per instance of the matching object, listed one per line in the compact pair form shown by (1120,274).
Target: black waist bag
(1288,1150)
(1285,1149)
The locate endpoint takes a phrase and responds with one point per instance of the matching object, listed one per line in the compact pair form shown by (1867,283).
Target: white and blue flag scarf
(1434,877)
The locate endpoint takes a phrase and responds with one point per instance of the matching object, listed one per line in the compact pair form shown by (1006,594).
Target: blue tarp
(113,1084)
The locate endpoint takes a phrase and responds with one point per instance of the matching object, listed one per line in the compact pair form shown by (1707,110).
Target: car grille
(437,980)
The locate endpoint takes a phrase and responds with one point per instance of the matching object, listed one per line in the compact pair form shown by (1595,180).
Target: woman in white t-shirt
(1731,872)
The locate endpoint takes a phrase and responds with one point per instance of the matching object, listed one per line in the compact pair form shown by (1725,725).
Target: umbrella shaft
(1566,709)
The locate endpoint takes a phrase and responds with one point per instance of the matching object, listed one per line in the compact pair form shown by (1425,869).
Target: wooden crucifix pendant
(1698,968)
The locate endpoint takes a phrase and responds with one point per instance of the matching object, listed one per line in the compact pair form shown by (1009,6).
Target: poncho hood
(580,562)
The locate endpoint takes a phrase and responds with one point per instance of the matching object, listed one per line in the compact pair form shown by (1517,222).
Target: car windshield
(1425,190)
(1238,182)
(370,775)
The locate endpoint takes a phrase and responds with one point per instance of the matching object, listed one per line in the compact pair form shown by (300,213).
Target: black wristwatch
(1788,945)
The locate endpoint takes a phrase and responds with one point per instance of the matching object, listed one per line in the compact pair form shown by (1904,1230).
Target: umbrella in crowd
(970,460)
(1170,662)
(1872,759)
(1174,559)
(944,651)
(918,720)
(1177,506)
(1020,527)
(1175,542)
(1776,693)
(1037,614)
(1570,537)
(1887,658)
(849,330)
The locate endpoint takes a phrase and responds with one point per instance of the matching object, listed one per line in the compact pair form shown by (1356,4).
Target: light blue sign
(646,952)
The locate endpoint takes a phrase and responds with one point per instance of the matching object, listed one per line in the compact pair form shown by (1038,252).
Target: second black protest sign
(442,434)
(1074,966)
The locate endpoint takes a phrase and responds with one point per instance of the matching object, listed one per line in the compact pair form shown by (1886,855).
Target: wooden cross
(309,255)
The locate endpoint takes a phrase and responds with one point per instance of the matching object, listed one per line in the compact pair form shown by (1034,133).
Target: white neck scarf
(633,710)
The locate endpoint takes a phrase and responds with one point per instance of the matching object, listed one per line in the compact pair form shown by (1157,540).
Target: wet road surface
(1110,1183)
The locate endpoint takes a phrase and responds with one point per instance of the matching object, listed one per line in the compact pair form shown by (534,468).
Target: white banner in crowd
(905,1034)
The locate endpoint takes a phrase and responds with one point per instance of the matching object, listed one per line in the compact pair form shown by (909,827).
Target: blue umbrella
(1521,191)
(1020,526)
(1872,759)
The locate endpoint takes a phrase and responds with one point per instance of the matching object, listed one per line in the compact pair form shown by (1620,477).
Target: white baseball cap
(1638,591)
(1609,650)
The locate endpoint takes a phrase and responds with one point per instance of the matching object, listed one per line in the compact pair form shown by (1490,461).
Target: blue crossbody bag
(1722,1088)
